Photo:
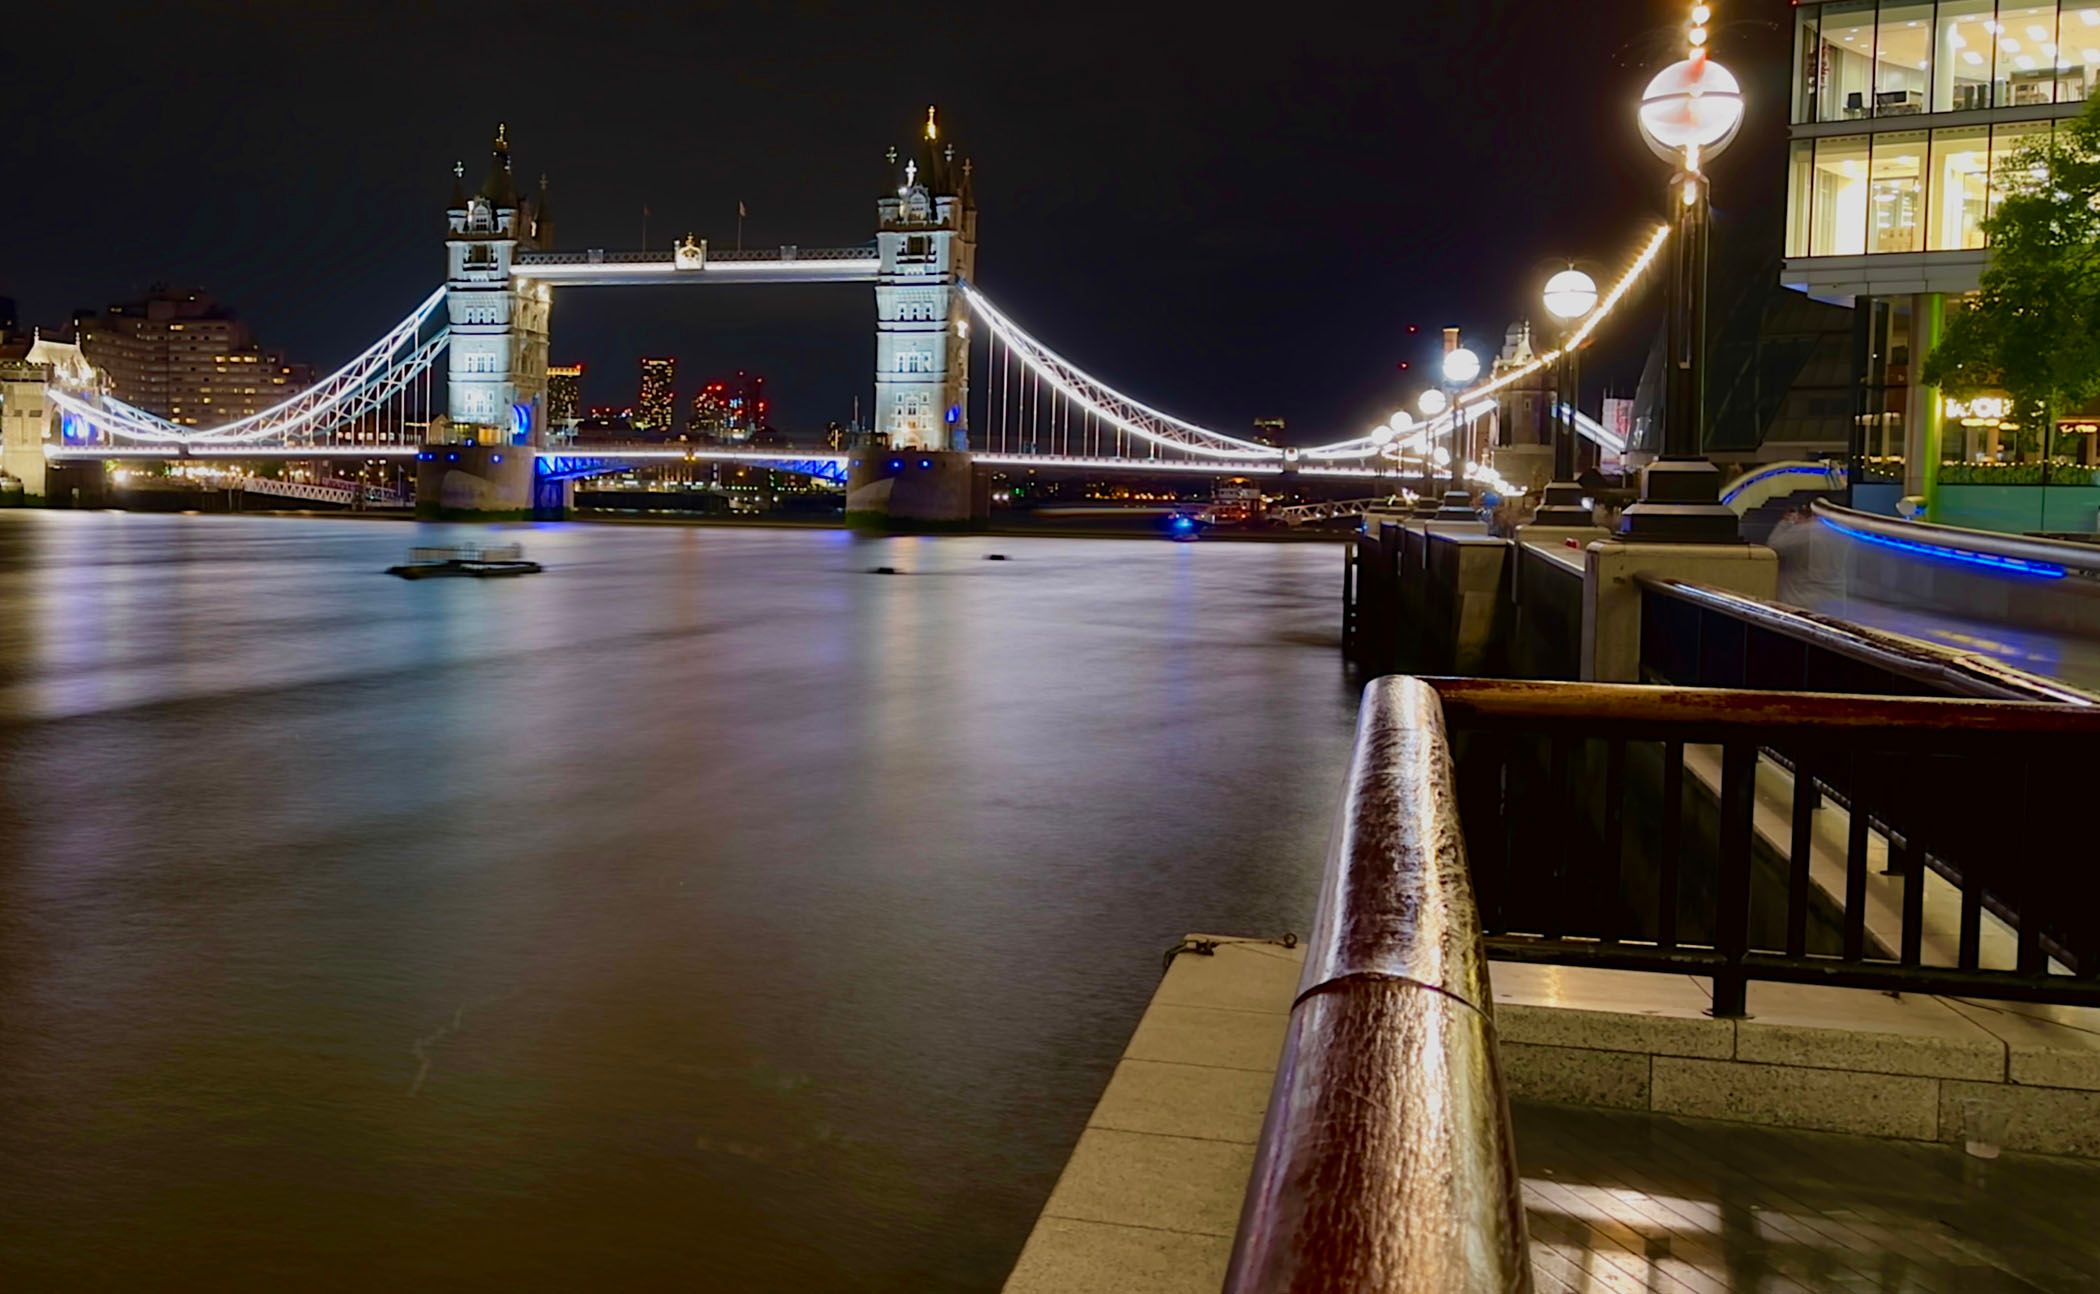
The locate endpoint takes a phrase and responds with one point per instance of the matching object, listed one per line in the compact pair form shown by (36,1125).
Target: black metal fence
(1695,636)
(1781,836)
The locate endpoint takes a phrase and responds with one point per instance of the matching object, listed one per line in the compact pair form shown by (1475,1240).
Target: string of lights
(1106,403)
(361,388)
(1365,447)
(333,400)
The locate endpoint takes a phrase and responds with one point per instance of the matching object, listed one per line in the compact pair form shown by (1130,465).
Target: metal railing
(1984,549)
(1696,636)
(1587,848)
(602,256)
(1386,1161)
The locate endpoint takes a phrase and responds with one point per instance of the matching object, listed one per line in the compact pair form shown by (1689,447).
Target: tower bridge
(477,424)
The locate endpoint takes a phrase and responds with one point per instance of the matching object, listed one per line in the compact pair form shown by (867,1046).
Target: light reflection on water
(706,909)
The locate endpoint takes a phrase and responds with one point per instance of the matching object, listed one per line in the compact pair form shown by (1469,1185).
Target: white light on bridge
(1570,294)
(1461,366)
(1433,402)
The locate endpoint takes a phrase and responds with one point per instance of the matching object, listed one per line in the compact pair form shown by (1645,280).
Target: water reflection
(705,909)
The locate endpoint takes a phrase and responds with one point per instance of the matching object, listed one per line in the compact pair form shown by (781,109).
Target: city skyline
(1235,166)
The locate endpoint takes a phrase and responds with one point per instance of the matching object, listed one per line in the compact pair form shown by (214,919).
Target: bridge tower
(926,239)
(479,456)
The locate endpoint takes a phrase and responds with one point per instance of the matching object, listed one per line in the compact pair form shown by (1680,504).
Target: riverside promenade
(1614,1198)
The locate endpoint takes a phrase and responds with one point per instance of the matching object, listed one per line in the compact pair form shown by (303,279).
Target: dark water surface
(704,912)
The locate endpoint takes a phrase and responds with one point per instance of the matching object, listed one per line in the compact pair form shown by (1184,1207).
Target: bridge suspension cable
(1098,407)
(361,389)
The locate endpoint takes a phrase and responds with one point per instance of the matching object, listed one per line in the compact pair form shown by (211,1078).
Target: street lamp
(1461,367)
(1688,114)
(1570,297)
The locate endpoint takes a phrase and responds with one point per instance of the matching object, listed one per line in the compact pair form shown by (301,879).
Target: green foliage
(2017,474)
(2033,327)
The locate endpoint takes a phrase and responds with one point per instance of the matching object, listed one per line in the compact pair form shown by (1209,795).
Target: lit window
(1958,188)
(1838,61)
(1898,195)
(1838,204)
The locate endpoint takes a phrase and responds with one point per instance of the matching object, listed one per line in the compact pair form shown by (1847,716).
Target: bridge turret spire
(459,189)
(542,227)
(500,188)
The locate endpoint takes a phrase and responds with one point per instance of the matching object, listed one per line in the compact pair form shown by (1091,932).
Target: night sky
(1229,212)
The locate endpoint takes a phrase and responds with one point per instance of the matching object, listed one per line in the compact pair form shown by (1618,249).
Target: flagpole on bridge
(740,214)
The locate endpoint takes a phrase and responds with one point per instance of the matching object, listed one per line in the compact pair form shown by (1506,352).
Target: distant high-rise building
(1269,431)
(735,409)
(606,422)
(710,411)
(655,408)
(564,395)
(183,356)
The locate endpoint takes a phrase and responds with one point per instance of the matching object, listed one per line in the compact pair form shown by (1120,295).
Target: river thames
(705,911)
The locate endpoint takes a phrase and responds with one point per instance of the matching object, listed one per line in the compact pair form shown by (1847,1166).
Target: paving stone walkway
(1649,1202)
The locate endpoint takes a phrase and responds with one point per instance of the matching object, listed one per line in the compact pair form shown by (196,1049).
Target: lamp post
(1432,404)
(1689,113)
(1385,437)
(1461,367)
(1570,296)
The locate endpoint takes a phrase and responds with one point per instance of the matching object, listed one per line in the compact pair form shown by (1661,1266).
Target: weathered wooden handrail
(1386,1161)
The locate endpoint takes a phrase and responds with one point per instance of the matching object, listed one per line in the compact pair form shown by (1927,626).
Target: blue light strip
(1768,474)
(576,467)
(1941,552)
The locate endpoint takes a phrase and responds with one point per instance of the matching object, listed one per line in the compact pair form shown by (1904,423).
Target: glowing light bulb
(1695,103)
(1570,295)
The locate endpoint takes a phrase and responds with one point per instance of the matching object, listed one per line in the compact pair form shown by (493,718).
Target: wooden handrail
(1386,1161)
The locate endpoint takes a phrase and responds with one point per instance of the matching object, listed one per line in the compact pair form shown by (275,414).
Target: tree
(2033,326)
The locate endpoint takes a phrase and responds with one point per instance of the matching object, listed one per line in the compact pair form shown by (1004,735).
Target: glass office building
(1907,115)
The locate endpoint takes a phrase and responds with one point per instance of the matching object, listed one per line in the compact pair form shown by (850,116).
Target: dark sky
(1229,211)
